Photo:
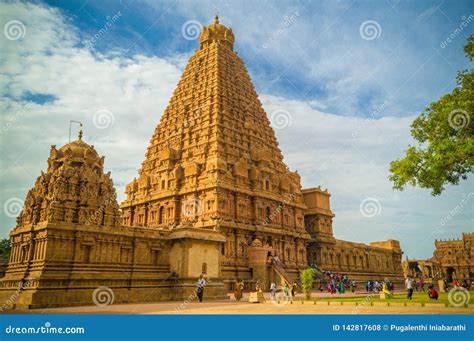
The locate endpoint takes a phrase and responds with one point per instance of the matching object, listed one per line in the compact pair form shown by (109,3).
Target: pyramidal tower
(213,163)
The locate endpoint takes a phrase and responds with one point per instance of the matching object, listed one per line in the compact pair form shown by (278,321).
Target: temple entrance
(430,271)
(450,272)
(414,269)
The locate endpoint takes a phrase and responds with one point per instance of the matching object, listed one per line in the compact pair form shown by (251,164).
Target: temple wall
(360,261)
(456,258)
(64,264)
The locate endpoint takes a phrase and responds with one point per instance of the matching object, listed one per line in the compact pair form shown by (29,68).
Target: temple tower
(50,245)
(214,163)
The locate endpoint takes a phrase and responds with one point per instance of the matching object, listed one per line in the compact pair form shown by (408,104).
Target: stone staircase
(282,271)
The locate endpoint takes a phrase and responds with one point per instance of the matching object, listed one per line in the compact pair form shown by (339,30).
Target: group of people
(456,283)
(289,290)
(377,286)
(411,284)
(338,283)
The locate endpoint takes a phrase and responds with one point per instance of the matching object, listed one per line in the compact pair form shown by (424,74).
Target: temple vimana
(213,196)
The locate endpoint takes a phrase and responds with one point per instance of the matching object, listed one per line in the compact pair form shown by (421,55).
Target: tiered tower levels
(214,134)
(214,162)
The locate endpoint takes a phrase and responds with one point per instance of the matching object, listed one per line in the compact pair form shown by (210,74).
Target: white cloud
(348,155)
(49,60)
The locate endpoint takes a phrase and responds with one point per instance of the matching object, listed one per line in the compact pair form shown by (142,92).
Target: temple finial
(80,132)
(216,19)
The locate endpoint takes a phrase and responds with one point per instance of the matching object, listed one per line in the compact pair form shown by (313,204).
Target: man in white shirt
(409,287)
(273,289)
(201,283)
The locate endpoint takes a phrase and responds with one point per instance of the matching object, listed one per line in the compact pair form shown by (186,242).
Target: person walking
(286,290)
(273,289)
(239,287)
(409,286)
(201,283)
(294,286)
(353,286)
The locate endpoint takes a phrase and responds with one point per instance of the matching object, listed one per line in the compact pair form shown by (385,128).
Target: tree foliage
(445,135)
(5,248)
(307,277)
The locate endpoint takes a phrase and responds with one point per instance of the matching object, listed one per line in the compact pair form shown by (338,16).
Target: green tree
(5,248)
(445,136)
(307,277)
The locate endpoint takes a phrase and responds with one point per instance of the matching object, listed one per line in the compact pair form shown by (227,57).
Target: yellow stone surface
(256,297)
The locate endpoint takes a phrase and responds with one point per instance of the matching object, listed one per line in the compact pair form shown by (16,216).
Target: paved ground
(243,307)
(226,307)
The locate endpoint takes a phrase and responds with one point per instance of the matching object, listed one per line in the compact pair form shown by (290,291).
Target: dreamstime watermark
(191,29)
(281,119)
(14,30)
(15,118)
(103,119)
(110,21)
(191,207)
(13,207)
(280,299)
(46,329)
(370,30)
(366,302)
(94,218)
(191,297)
(195,114)
(287,22)
(465,22)
(457,208)
(458,119)
(377,109)
(458,297)
(22,285)
(281,206)
(370,207)
(103,296)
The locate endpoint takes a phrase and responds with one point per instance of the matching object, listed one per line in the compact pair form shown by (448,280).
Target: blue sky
(411,36)
(350,98)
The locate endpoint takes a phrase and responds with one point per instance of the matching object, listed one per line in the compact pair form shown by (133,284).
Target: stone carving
(74,184)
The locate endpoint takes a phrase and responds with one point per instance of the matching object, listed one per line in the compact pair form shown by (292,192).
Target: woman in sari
(386,289)
(239,287)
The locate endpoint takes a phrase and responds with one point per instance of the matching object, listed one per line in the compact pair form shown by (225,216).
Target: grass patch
(398,298)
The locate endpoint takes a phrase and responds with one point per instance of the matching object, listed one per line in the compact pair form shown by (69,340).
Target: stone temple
(453,260)
(213,196)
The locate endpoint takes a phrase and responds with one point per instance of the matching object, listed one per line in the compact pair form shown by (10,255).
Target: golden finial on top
(80,134)
(216,32)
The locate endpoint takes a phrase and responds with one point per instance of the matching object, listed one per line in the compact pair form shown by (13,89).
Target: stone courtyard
(232,307)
